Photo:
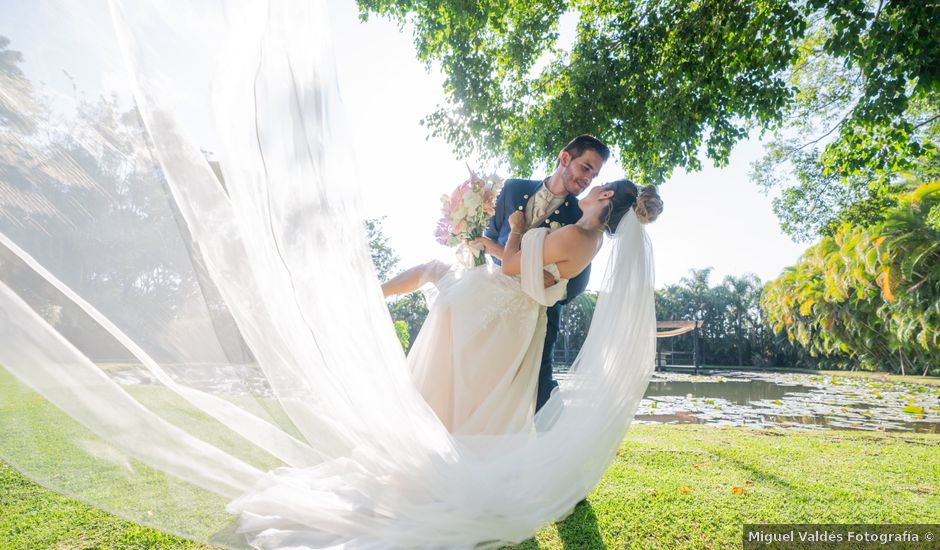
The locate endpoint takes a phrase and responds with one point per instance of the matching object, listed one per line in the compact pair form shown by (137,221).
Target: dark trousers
(546,381)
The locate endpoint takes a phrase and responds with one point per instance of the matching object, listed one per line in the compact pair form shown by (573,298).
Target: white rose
(472,200)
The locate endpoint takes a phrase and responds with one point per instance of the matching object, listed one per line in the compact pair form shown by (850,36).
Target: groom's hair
(582,143)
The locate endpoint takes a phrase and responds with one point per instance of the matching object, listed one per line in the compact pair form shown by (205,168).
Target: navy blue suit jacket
(514,196)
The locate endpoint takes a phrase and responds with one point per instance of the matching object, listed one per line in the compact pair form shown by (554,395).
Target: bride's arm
(511,252)
(564,248)
(489,246)
(412,279)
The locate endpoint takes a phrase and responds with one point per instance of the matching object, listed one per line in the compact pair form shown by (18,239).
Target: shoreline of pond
(874,375)
(764,399)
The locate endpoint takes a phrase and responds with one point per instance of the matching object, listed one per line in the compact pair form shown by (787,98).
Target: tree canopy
(861,123)
(664,80)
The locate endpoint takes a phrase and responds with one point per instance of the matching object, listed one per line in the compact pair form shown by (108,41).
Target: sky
(713,218)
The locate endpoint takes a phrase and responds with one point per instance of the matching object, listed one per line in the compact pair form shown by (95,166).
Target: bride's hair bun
(644,200)
(648,205)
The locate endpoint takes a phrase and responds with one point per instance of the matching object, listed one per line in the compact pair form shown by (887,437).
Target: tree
(412,310)
(733,330)
(661,80)
(574,324)
(813,202)
(401,331)
(868,297)
(409,311)
(85,197)
(384,258)
(694,299)
(742,306)
(859,118)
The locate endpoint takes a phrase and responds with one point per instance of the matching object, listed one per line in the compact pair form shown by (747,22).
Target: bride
(477,357)
(214,342)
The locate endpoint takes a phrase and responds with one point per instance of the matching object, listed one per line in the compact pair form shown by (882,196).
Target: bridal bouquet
(465,213)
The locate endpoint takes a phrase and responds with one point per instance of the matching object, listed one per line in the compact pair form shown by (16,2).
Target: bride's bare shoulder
(569,234)
(569,243)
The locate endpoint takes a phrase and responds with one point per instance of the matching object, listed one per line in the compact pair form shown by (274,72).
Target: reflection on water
(790,400)
(732,389)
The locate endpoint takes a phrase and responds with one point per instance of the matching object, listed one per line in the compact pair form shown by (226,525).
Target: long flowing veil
(191,332)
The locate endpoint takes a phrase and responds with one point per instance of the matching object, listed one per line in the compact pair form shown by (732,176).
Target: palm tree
(742,295)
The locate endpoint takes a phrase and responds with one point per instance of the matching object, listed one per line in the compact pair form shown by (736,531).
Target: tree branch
(928,121)
(820,138)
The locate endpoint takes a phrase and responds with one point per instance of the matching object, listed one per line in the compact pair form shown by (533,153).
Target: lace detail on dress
(507,300)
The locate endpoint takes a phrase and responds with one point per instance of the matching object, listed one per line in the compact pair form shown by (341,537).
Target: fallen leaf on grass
(650,490)
(748,482)
(619,453)
(737,490)
(684,489)
(695,466)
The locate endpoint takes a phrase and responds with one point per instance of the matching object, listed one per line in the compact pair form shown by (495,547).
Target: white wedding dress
(208,334)
(476,360)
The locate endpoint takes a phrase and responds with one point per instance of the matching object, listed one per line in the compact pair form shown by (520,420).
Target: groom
(551,203)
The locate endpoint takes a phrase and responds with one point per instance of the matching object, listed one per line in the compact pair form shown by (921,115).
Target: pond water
(753,399)
(790,400)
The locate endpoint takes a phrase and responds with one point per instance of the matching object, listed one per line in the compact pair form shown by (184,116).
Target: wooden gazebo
(670,329)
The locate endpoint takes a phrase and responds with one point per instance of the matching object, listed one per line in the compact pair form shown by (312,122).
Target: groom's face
(578,172)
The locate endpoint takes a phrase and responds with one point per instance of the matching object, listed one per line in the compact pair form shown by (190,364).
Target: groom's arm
(495,227)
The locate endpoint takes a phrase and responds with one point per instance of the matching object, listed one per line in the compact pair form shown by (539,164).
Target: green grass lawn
(669,487)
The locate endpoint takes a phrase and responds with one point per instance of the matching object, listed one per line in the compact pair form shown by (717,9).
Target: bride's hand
(487,245)
(517,221)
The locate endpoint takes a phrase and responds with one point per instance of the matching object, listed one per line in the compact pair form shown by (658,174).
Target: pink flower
(466,211)
(457,196)
(442,232)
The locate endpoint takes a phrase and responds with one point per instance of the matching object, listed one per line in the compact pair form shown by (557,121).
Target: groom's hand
(549,279)
(517,221)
